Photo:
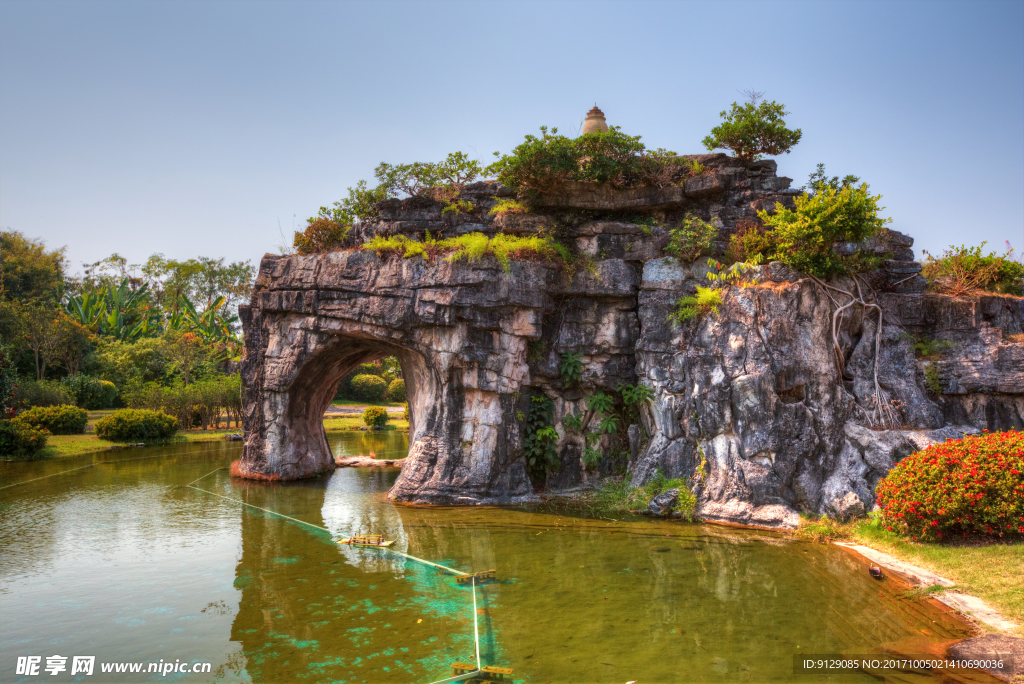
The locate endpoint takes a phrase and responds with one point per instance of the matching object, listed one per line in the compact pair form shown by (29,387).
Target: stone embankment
(750,404)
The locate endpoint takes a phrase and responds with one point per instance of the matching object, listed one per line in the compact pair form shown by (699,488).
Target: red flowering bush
(973,485)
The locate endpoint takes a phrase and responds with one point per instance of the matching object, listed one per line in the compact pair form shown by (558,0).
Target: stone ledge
(581,195)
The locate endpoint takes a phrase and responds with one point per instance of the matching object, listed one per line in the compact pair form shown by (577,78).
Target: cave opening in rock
(316,384)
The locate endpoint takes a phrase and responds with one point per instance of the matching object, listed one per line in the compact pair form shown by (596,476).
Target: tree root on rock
(882,415)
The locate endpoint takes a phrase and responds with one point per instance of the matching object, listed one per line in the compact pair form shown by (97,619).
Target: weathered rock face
(749,404)
(755,391)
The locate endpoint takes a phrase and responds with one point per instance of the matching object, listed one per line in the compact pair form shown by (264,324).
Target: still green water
(121,561)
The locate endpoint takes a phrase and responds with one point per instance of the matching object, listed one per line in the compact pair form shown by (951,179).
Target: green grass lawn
(355,422)
(62,446)
(363,404)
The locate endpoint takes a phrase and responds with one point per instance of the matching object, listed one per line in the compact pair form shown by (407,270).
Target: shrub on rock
(753,129)
(136,425)
(369,387)
(322,234)
(375,417)
(396,390)
(59,420)
(691,239)
(20,440)
(973,485)
(803,237)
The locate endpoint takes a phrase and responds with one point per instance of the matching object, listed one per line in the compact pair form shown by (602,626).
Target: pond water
(115,557)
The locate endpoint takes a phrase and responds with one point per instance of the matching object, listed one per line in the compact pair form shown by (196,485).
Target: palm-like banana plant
(213,325)
(119,312)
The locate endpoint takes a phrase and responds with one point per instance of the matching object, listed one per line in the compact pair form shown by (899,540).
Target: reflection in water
(375,444)
(121,562)
(350,507)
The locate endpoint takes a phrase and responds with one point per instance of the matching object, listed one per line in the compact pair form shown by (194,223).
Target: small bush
(540,443)
(969,486)
(441,181)
(925,347)
(369,387)
(691,239)
(396,390)
(42,393)
(322,234)
(375,417)
(751,243)
(458,207)
(753,130)
(405,413)
(90,393)
(706,300)
(136,425)
(540,164)
(59,420)
(20,440)
(509,206)
(822,530)
(962,269)
(804,237)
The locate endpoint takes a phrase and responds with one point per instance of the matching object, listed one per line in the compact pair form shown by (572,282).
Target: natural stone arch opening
(294,443)
(316,383)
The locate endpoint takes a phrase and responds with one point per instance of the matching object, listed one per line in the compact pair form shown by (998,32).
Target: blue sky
(210,128)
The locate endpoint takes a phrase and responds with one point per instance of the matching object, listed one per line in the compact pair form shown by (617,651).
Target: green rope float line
(476,627)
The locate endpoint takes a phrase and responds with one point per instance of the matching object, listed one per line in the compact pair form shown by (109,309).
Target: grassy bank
(64,446)
(992,571)
(616,497)
(355,422)
(352,403)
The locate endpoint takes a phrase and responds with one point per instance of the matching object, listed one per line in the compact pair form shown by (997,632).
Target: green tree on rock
(752,130)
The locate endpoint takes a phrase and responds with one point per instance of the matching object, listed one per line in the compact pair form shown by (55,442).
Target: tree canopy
(29,271)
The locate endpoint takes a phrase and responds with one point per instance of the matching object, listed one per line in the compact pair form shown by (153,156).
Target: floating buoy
(481,576)
(367,540)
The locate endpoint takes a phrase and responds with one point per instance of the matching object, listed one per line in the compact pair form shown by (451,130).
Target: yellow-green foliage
(473,246)
(803,237)
(509,206)
(405,246)
(706,300)
(458,207)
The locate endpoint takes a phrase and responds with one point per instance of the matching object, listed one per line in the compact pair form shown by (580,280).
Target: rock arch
(749,397)
(462,351)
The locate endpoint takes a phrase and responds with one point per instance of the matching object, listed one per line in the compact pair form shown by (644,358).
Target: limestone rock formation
(749,405)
